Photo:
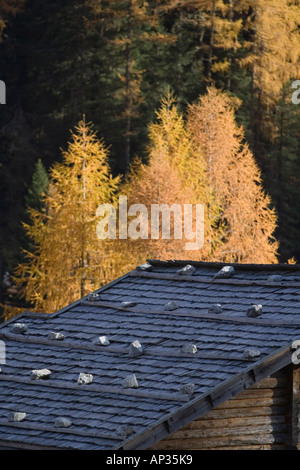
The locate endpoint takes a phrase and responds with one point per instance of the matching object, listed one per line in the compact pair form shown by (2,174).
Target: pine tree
(130,29)
(273,58)
(249,221)
(69,260)
(282,174)
(217,24)
(39,184)
(273,53)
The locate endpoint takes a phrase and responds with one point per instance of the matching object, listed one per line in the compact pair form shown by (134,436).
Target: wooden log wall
(264,417)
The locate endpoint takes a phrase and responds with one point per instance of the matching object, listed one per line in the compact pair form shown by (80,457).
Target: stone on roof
(130,381)
(84,378)
(225,272)
(135,349)
(16,416)
(254,311)
(40,374)
(19,328)
(63,422)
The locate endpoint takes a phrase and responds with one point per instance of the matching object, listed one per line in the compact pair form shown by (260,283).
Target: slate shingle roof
(105,415)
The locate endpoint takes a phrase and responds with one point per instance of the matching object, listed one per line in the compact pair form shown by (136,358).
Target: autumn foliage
(172,176)
(68,260)
(246,215)
(198,159)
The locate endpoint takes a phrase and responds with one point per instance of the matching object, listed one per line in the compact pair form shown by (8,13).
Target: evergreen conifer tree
(39,184)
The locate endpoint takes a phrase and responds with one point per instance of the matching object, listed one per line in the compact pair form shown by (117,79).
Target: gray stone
(124,431)
(93,296)
(62,423)
(135,349)
(217,308)
(56,336)
(130,381)
(128,304)
(101,341)
(85,378)
(40,374)
(145,267)
(16,416)
(19,328)
(251,354)
(187,389)
(188,270)
(189,349)
(254,311)
(171,306)
(225,273)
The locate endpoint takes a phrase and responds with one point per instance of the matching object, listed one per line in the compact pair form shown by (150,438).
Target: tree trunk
(211,41)
(128,86)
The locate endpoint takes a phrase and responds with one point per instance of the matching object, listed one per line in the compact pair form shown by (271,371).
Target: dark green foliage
(282,174)
(39,184)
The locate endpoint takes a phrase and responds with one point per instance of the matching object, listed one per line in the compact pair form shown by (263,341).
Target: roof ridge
(214,264)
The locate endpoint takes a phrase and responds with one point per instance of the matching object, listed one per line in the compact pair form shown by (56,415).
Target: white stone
(189,349)
(144,267)
(85,378)
(56,336)
(254,311)
(20,328)
(40,374)
(93,296)
(225,272)
(135,349)
(188,270)
(104,341)
(17,416)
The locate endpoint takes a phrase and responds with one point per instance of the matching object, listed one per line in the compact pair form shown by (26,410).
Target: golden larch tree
(175,175)
(69,260)
(246,214)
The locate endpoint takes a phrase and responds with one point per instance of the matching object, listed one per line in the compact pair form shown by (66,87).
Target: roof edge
(199,406)
(30,314)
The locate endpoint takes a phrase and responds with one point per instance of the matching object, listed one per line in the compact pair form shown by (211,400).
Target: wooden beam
(176,396)
(195,313)
(151,350)
(293,402)
(211,280)
(47,427)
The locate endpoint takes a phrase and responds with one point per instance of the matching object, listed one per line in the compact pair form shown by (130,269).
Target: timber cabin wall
(264,417)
